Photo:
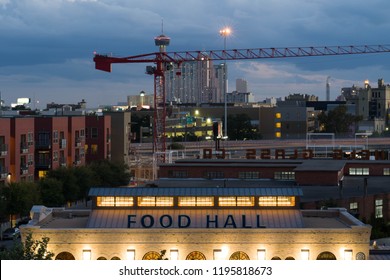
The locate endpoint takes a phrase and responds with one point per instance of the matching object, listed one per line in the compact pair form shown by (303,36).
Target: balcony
(62,143)
(23,169)
(3,173)
(43,145)
(3,150)
(43,164)
(24,148)
(77,142)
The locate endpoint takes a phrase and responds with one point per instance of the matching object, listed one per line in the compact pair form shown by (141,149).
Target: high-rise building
(195,82)
(241,85)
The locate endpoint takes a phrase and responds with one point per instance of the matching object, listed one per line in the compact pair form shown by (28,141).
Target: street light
(225,32)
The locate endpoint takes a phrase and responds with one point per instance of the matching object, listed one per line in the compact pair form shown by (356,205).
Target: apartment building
(5,138)
(51,144)
(97,138)
(22,149)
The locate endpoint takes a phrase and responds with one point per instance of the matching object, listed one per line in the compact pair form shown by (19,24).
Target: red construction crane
(164,61)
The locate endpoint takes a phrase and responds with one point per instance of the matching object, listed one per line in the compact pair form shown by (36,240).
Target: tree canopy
(337,120)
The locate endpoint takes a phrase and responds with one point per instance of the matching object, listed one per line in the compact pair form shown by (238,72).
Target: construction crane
(164,61)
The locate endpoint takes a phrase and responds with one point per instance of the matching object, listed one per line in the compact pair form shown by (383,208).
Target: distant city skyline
(47,46)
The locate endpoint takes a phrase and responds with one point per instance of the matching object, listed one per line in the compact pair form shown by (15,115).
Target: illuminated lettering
(265,154)
(251,154)
(279,153)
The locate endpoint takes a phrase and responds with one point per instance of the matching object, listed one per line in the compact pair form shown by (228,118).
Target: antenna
(162,26)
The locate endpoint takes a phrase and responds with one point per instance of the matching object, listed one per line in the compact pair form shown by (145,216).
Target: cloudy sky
(46,46)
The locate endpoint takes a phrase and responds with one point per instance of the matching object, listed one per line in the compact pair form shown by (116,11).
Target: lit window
(286,201)
(277,201)
(378,208)
(188,201)
(261,254)
(278,125)
(87,255)
(348,255)
(386,171)
(104,201)
(353,206)
(146,201)
(359,171)
(130,255)
(278,134)
(205,201)
(174,255)
(278,115)
(227,201)
(284,175)
(164,201)
(122,201)
(245,201)
(267,200)
(305,254)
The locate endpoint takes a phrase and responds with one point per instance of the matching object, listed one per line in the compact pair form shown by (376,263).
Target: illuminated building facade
(199,224)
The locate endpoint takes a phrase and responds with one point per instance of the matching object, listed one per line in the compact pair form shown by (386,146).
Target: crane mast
(164,60)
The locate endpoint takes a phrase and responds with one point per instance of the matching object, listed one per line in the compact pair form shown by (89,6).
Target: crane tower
(164,61)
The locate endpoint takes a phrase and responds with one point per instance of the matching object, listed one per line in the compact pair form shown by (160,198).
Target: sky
(47,46)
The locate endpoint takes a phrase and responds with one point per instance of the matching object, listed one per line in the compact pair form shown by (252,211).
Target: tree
(29,250)
(19,198)
(110,174)
(337,120)
(52,192)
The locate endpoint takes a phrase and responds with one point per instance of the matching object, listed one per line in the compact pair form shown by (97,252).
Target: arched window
(115,258)
(152,255)
(360,256)
(64,256)
(290,258)
(196,255)
(239,255)
(101,259)
(276,258)
(326,256)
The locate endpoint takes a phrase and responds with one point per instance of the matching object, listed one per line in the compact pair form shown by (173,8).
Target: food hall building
(199,224)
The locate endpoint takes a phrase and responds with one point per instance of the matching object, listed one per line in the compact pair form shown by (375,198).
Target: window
(284,175)
(94,149)
(118,201)
(277,201)
(55,136)
(94,132)
(278,134)
(236,201)
(124,201)
(386,171)
(278,115)
(359,171)
(248,175)
(214,175)
(353,206)
(278,125)
(378,208)
(188,201)
(145,201)
(105,201)
(177,174)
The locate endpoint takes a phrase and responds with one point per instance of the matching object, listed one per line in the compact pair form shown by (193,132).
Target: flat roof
(321,165)
(195,191)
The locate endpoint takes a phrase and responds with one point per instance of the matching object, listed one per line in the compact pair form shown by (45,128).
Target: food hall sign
(185,221)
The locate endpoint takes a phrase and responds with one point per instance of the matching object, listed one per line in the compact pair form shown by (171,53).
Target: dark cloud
(47,46)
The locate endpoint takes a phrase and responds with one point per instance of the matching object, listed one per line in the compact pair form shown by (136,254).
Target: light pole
(225,32)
